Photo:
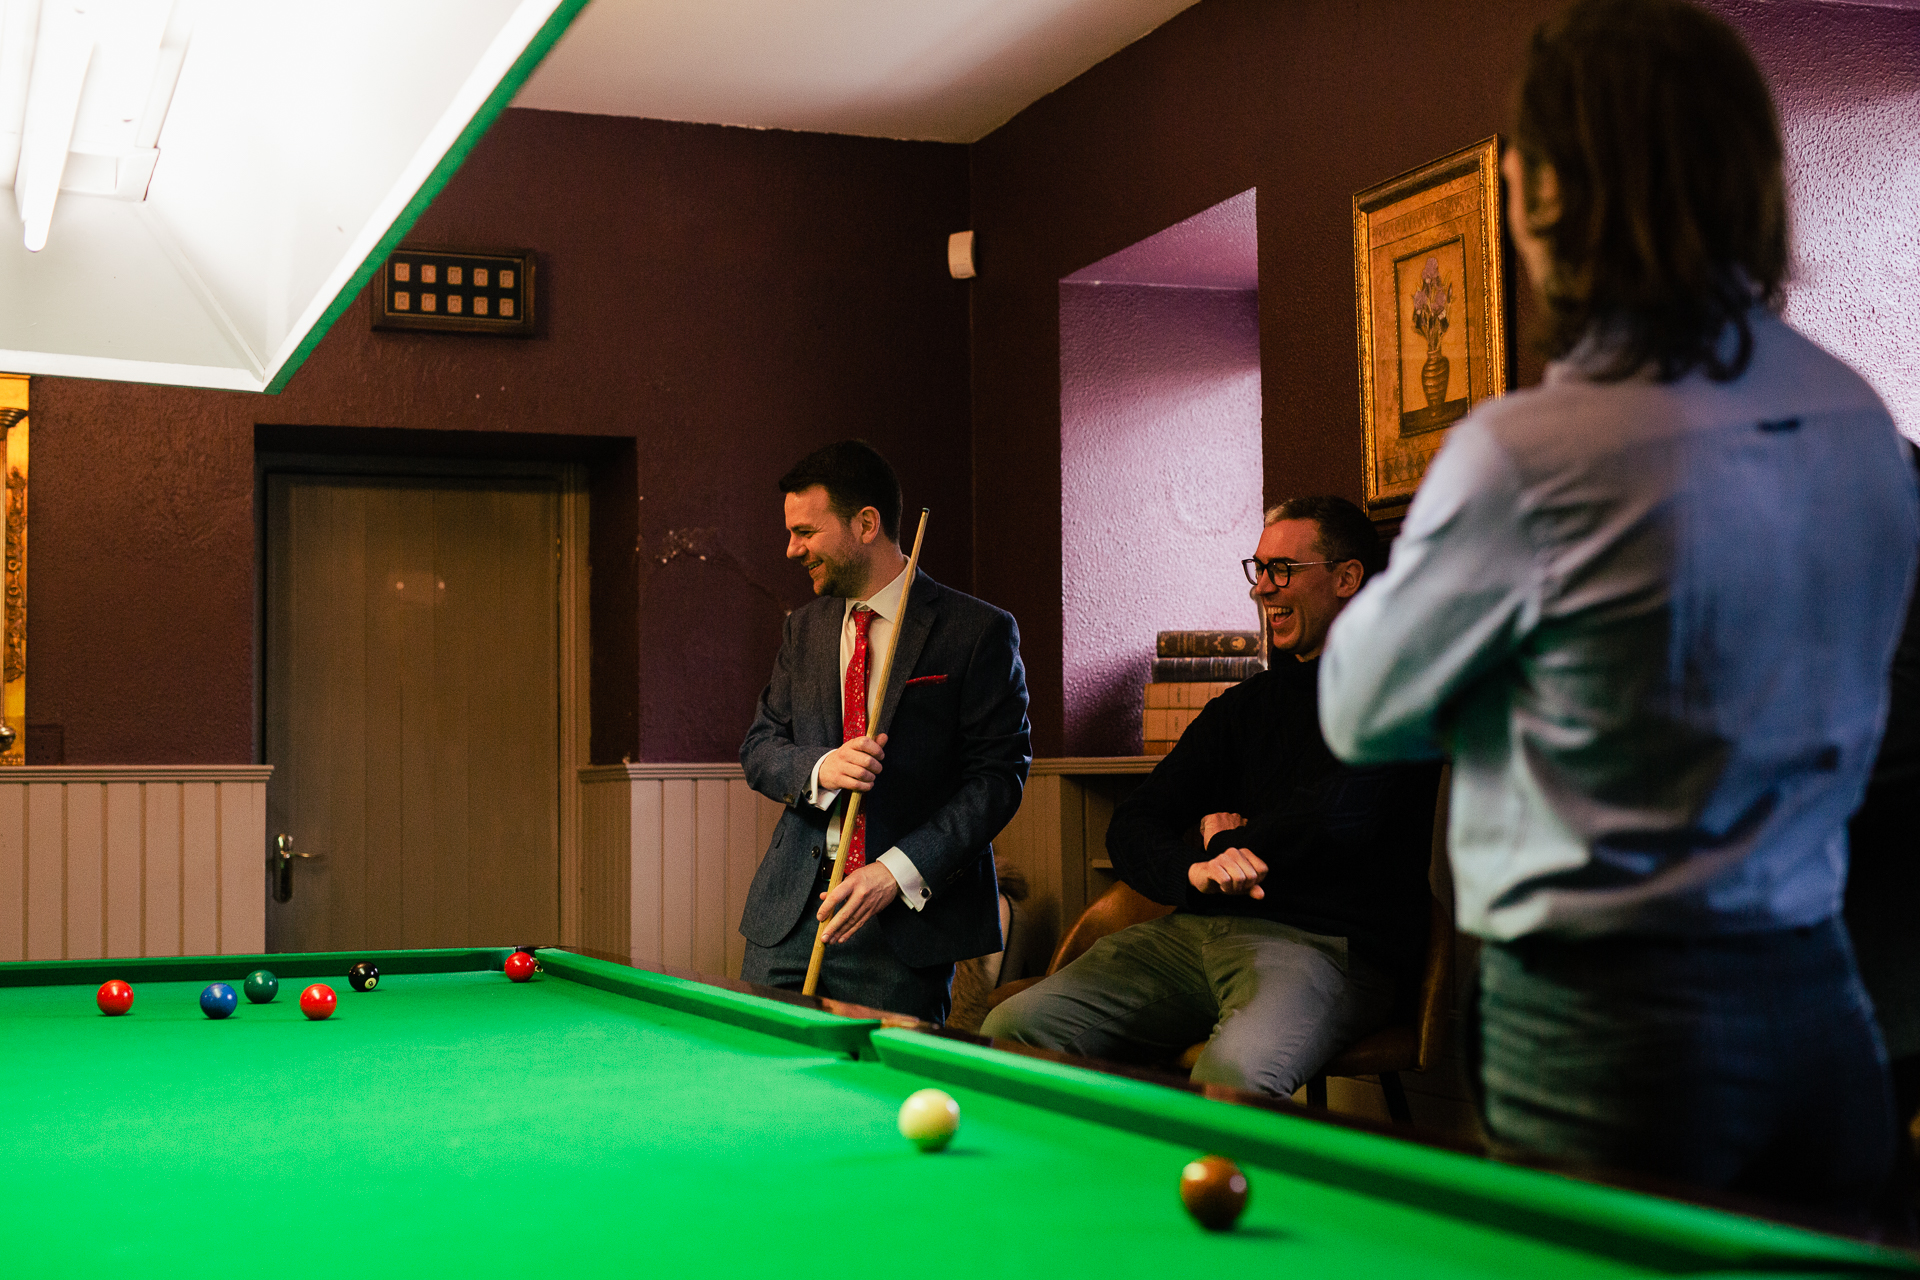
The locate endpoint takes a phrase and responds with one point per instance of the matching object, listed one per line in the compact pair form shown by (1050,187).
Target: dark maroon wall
(140,574)
(1308,101)
(725,299)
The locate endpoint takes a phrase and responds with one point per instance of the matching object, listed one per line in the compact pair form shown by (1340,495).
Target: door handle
(281,861)
(283,850)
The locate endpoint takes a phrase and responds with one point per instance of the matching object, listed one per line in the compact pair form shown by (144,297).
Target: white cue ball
(929,1119)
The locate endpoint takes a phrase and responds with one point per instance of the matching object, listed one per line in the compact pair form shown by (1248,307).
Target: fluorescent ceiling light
(84,90)
(62,50)
(201,186)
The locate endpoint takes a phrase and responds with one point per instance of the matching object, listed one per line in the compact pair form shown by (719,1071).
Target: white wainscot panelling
(132,860)
(667,852)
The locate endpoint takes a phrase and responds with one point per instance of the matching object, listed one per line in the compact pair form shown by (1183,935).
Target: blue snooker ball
(219,1000)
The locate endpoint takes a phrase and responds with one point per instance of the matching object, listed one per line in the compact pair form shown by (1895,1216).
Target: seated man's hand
(852,766)
(1214,823)
(855,900)
(1234,871)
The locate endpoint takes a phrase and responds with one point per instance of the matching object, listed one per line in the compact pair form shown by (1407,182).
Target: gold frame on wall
(13,606)
(1430,293)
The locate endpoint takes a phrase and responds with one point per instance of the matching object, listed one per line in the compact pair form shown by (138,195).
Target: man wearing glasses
(1298,923)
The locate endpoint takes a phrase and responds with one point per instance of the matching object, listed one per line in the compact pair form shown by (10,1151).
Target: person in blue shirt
(1648,608)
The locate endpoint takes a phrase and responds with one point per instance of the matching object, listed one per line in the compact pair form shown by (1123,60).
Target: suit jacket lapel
(914,629)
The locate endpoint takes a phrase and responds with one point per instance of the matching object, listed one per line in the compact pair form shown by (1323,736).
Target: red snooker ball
(520,966)
(317,1001)
(115,997)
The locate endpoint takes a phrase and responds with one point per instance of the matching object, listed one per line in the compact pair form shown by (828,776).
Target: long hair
(1673,213)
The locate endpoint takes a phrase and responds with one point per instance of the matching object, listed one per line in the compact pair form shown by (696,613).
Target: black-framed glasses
(1281,571)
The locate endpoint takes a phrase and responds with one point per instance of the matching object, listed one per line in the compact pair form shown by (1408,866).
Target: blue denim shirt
(1651,623)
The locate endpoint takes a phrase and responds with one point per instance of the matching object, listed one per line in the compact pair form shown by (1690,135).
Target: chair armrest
(1436,987)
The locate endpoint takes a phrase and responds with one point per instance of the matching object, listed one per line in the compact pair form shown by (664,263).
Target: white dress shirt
(885,604)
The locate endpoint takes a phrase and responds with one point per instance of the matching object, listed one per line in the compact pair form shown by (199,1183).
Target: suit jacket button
(817,851)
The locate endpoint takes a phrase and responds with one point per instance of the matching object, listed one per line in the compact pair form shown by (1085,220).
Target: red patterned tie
(853,718)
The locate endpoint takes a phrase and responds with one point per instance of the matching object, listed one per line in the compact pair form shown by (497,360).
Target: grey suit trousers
(1273,1003)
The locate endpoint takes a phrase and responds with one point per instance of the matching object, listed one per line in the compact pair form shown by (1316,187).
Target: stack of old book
(1190,669)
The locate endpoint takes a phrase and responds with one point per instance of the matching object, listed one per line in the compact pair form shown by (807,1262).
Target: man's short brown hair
(1345,531)
(855,477)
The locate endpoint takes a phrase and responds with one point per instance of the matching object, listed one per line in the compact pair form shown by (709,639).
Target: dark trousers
(1747,1062)
(861,970)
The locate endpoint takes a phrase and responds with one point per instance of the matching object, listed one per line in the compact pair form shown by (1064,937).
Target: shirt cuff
(913,890)
(816,797)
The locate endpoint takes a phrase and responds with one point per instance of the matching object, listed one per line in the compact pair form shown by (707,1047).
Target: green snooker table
(602,1120)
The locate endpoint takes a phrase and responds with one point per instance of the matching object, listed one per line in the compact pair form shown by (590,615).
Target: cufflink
(925,893)
(786,800)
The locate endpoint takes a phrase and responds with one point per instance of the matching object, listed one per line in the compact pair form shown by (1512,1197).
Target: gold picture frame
(14,431)
(1430,290)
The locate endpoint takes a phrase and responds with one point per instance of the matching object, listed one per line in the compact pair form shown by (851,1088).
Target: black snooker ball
(1214,1191)
(363,977)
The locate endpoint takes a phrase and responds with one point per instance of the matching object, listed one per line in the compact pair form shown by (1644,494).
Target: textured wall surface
(1217,248)
(1847,82)
(715,303)
(1159,486)
(1308,102)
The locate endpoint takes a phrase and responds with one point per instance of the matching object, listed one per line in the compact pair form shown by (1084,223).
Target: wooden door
(412,710)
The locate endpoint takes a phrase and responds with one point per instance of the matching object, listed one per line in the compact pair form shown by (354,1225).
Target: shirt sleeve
(913,889)
(817,796)
(1461,591)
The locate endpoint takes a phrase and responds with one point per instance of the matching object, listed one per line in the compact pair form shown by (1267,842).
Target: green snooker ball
(929,1119)
(262,986)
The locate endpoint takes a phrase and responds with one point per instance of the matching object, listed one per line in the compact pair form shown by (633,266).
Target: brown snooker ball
(1214,1191)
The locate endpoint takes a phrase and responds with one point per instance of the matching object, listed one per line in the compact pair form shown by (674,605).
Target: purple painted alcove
(1159,458)
(1846,78)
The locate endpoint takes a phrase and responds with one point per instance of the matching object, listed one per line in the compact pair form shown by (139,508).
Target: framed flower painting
(1431,309)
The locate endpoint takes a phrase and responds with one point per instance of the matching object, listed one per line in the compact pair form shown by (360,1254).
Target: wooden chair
(1410,1045)
(1116,909)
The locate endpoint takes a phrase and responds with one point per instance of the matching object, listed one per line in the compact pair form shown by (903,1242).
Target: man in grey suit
(942,761)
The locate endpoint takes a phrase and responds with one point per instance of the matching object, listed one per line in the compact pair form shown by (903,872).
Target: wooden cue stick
(879,683)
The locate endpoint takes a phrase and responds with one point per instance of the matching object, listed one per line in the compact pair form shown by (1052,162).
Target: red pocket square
(941,679)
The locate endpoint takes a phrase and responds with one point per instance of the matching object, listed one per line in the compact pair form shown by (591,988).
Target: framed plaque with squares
(455,291)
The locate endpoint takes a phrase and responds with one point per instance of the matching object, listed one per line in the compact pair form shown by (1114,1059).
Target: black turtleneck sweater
(1347,849)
